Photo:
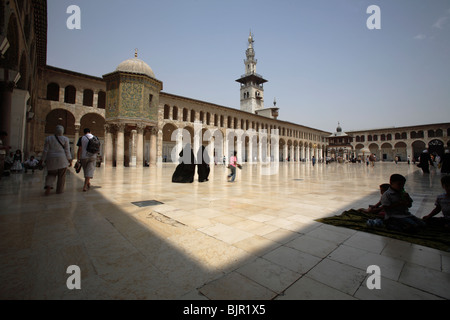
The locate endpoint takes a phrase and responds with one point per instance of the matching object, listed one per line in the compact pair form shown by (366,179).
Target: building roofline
(241,112)
(73,73)
(399,128)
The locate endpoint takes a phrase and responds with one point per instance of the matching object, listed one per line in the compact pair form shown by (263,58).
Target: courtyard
(136,235)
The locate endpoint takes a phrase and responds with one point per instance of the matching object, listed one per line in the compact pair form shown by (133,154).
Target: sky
(322,62)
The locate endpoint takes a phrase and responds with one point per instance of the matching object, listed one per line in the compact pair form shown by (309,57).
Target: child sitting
(442,204)
(396,203)
(377,208)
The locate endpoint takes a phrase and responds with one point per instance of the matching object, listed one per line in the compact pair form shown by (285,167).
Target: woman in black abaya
(185,171)
(203,168)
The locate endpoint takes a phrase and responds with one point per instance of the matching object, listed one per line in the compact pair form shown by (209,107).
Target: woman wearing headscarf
(203,168)
(185,171)
(425,161)
(57,158)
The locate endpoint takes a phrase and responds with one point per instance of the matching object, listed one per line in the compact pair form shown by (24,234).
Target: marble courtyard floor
(253,239)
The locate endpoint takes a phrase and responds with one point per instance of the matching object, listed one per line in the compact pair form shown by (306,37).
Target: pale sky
(322,62)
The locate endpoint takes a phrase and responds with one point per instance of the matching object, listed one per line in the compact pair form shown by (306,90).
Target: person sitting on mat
(377,208)
(442,204)
(396,202)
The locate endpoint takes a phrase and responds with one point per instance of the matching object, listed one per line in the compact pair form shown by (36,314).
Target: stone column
(250,149)
(140,146)
(153,146)
(6,90)
(210,150)
(298,153)
(77,136)
(133,140)
(108,151)
(292,153)
(120,147)
(285,152)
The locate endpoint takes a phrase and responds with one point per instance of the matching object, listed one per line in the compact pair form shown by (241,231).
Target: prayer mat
(431,236)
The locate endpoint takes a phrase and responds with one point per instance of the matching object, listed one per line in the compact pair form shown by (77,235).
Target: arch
(400,145)
(373,147)
(168,144)
(101,101)
(60,117)
(95,122)
(436,146)
(168,129)
(88,98)
(418,146)
(53,91)
(70,94)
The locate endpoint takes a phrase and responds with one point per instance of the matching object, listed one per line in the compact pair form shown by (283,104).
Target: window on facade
(420,134)
(404,135)
(185,114)
(192,115)
(221,121)
(369,138)
(397,136)
(88,98)
(375,137)
(229,122)
(70,94)
(208,118)
(413,134)
(175,113)
(358,139)
(53,92)
(216,120)
(389,137)
(431,134)
(101,101)
(166,112)
(439,133)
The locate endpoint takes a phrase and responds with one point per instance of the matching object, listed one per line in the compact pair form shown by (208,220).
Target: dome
(339,129)
(136,66)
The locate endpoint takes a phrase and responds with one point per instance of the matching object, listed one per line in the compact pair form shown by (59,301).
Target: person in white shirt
(88,160)
(57,158)
(31,163)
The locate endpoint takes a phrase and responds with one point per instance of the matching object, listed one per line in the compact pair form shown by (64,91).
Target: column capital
(120,127)
(140,127)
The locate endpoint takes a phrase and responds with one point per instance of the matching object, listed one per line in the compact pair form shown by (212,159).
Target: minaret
(252,89)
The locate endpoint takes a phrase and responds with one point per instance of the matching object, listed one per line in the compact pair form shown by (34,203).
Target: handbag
(77,166)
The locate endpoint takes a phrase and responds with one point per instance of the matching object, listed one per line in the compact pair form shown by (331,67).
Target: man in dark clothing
(425,161)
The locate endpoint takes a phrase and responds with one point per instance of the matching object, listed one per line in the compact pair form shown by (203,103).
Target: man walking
(88,147)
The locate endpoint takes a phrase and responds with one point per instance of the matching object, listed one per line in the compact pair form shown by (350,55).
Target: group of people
(56,157)
(393,207)
(426,160)
(185,171)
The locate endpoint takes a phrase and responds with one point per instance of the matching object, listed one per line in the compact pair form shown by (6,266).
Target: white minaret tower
(252,89)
